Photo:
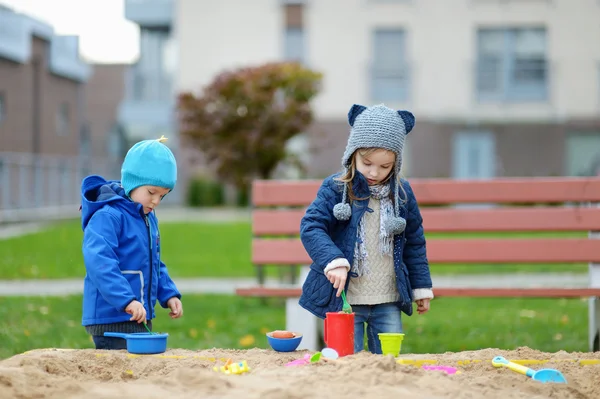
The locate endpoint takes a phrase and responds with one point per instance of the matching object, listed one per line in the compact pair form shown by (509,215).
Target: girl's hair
(350,173)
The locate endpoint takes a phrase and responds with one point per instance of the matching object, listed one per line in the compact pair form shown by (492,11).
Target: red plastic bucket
(339,332)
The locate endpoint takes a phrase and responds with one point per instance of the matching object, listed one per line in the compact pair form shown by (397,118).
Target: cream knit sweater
(380,285)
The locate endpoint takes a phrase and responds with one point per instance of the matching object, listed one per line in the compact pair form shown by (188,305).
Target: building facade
(147,109)
(499,88)
(57,113)
(41,112)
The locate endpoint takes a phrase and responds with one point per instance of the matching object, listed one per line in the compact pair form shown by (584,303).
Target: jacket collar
(360,186)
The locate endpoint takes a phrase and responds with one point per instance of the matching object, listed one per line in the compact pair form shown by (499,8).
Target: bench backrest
(523,205)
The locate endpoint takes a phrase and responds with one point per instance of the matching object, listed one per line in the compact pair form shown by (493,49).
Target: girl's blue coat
(325,238)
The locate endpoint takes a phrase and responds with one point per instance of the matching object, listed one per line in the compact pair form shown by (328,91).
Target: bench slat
(287,222)
(291,251)
(448,191)
(450,292)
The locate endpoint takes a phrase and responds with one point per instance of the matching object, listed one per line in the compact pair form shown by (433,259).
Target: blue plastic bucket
(143,343)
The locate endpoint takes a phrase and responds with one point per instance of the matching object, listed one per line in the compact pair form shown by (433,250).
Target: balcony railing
(16,31)
(148,86)
(15,37)
(64,58)
(150,13)
(519,80)
(390,84)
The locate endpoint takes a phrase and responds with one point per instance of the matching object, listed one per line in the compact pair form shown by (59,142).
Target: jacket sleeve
(315,227)
(166,287)
(100,240)
(415,250)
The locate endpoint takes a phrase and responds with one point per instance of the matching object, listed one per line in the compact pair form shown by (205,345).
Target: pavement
(61,287)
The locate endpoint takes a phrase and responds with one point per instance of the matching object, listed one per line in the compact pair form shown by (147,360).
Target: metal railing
(149,86)
(33,184)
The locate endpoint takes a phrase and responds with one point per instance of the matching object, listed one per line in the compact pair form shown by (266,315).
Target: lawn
(453,324)
(189,250)
(194,250)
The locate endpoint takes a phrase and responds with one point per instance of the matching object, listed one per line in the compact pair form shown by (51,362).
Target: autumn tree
(242,120)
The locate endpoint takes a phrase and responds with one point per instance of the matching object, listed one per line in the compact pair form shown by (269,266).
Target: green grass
(453,324)
(199,250)
(189,250)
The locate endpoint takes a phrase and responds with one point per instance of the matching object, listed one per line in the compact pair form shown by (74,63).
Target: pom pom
(395,225)
(342,211)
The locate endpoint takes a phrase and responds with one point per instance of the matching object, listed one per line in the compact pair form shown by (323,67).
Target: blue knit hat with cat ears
(376,127)
(149,163)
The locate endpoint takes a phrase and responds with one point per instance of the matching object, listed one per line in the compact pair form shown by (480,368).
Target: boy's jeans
(383,318)
(114,343)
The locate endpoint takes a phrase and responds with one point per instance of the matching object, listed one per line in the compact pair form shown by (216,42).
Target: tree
(244,118)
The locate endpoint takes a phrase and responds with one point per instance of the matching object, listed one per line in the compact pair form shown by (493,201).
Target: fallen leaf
(558,337)
(247,340)
(527,313)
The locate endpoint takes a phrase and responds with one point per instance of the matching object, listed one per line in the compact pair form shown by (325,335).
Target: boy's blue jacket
(325,238)
(121,251)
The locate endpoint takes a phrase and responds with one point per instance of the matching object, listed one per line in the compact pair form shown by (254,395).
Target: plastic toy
(325,354)
(233,368)
(543,375)
(284,344)
(446,369)
(143,343)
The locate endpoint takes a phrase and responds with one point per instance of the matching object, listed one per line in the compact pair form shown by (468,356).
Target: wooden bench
(512,205)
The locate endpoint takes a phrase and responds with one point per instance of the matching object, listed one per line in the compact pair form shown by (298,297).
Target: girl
(365,223)
(121,246)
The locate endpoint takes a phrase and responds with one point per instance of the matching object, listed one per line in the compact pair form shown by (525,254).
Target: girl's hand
(423,305)
(337,277)
(176,308)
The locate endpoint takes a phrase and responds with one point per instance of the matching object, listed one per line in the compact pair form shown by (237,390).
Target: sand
(92,374)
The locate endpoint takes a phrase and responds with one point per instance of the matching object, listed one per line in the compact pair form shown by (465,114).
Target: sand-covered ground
(92,374)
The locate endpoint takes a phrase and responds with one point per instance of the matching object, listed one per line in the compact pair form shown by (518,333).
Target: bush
(205,192)
(242,121)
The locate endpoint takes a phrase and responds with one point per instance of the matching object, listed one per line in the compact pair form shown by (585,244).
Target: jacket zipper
(149,298)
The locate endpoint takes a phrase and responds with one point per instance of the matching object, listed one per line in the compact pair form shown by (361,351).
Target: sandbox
(93,374)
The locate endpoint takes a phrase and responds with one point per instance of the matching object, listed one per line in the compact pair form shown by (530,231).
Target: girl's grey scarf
(386,240)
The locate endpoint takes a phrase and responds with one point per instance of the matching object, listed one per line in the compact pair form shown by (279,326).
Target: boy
(121,246)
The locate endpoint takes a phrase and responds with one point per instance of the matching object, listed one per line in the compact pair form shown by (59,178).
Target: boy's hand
(137,311)
(423,305)
(176,307)
(338,277)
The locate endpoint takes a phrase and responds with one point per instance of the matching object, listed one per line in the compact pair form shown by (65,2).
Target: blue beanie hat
(149,163)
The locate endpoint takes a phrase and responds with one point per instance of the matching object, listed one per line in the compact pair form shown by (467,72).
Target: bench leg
(300,320)
(594,303)
(260,272)
(594,324)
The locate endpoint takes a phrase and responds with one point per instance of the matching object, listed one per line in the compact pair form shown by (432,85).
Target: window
(512,65)
(474,155)
(389,77)
(583,154)
(294,44)
(2,107)
(62,120)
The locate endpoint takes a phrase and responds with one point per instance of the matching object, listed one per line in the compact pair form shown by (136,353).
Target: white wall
(225,34)
(441,45)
